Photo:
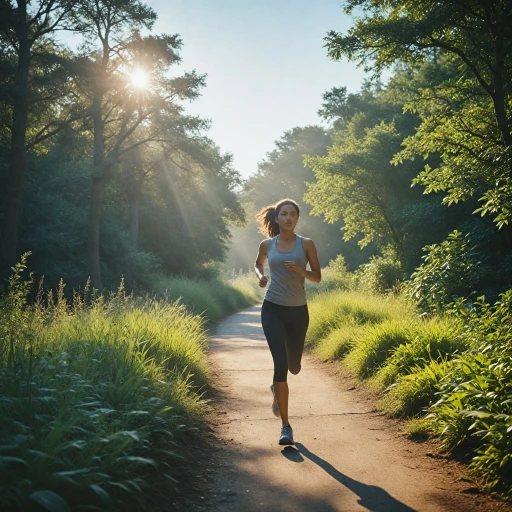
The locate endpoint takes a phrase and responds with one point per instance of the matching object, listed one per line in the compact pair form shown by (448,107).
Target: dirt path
(347,457)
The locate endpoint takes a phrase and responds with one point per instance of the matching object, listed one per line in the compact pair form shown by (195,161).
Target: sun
(139,79)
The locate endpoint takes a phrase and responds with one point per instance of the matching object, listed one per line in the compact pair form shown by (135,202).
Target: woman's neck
(287,236)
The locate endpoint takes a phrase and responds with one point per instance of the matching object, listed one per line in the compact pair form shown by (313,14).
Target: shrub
(380,275)
(450,270)
(334,277)
(475,405)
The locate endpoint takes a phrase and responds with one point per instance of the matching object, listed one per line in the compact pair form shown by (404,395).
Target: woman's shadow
(371,497)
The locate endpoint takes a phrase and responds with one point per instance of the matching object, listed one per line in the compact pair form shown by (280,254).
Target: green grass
(415,391)
(337,309)
(213,298)
(433,339)
(97,397)
(377,344)
(455,367)
(419,428)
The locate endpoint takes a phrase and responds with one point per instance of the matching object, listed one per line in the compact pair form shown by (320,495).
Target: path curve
(347,456)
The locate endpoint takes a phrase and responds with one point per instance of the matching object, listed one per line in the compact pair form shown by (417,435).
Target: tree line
(103,171)
(402,164)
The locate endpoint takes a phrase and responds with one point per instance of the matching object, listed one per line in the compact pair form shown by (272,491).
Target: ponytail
(267,221)
(267,217)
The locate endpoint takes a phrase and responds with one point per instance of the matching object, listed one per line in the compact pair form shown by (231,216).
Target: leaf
(139,460)
(100,492)
(9,461)
(479,414)
(50,501)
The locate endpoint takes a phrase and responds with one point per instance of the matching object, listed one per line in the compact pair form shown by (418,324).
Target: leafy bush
(450,270)
(334,277)
(475,405)
(382,274)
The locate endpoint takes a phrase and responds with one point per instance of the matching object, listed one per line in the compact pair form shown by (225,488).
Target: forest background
(406,189)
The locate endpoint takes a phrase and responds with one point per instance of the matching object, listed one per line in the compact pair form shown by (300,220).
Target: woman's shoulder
(307,241)
(264,244)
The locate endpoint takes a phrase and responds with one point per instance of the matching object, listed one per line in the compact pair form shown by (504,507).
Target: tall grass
(456,368)
(337,309)
(214,298)
(382,339)
(96,396)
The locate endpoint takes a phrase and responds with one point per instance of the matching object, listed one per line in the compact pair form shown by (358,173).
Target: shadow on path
(371,497)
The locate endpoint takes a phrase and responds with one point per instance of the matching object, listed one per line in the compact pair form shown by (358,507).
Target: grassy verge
(449,376)
(98,396)
(212,298)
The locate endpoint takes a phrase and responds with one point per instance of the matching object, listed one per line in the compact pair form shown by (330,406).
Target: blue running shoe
(286,435)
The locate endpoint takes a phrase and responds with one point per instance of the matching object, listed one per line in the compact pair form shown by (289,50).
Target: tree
(114,51)
(30,63)
(467,120)
(356,182)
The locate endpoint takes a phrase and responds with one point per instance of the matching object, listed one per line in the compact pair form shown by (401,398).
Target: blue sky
(266,66)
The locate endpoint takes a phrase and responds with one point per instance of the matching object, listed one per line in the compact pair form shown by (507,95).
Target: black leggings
(285,329)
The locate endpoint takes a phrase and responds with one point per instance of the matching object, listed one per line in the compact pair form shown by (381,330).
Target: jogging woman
(284,312)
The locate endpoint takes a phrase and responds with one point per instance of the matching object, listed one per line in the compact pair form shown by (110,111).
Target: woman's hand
(263,281)
(294,267)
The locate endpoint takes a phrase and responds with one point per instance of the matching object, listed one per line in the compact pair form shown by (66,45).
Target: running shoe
(275,406)
(286,435)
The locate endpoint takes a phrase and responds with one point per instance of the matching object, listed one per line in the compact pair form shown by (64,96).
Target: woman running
(284,313)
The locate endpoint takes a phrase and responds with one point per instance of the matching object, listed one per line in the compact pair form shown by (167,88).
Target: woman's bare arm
(259,263)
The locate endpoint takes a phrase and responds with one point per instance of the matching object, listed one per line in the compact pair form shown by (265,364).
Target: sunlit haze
(265,62)
(139,79)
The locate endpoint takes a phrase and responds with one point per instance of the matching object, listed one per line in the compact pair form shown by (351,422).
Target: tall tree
(26,31)
(129,87)
(467,120)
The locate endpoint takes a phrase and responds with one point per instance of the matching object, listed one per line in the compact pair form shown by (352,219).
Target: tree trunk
(133,211)
(93,232)
(98,182)
(18,157)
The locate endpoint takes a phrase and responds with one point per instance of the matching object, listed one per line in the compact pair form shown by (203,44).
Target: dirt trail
(347,457)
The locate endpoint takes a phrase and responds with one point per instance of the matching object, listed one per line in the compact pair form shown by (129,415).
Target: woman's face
(287,218)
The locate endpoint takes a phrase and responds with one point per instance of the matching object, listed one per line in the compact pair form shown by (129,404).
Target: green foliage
(450,270)
(377,345)
(475,405)
(382,274)
(466,120)
(335,309)
(98,395)
(334,277)
(213,298)
(433,341)
(419,428)
(416,389)
(353,182)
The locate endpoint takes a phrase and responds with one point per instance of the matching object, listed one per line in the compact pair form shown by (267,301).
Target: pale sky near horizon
(266,67)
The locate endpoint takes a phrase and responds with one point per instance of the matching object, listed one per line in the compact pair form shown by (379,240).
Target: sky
(266,67)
